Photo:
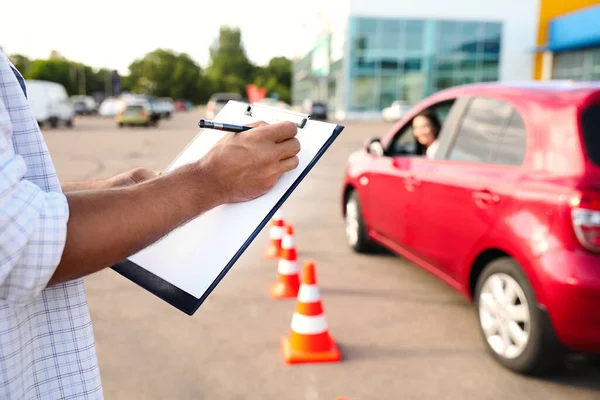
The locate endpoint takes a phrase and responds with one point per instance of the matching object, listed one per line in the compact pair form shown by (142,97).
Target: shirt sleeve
(33,225)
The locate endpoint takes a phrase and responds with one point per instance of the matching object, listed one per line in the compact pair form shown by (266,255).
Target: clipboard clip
(265,112)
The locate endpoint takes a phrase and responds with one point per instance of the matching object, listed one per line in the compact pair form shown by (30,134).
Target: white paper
(192,256)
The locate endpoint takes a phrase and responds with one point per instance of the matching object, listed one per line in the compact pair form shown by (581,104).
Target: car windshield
(590,124)
(224,100)
(134,108)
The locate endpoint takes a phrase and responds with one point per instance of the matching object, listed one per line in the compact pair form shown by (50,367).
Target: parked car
(181,106)
(136,114)
(318,111)
(155,107)
(167,108)
(84,105)
(507,212)
(110,107)
(395,111)
(50,103)
(217,101)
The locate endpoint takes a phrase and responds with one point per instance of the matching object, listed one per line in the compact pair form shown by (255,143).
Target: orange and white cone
(273,250)
(288,280)
(309,340)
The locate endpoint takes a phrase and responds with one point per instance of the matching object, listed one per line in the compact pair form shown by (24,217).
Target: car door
(389,191)
(469,182)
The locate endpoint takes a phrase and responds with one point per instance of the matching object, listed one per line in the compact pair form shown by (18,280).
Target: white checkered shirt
(47,348)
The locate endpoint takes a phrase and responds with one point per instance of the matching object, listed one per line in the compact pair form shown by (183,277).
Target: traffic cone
(273,250)
(309,340)
(288,281)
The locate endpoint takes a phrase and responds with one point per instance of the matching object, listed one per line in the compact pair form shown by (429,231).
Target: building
(373,52)
(568,40)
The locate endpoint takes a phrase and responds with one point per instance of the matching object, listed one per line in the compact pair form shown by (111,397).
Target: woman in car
(426,128)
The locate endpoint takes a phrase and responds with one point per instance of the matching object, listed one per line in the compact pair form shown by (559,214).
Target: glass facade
(407,59)
(302,85)
(579,64)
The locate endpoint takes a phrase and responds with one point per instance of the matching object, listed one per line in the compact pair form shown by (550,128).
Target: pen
(222,126)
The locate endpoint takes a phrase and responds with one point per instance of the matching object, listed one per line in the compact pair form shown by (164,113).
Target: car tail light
(585,216)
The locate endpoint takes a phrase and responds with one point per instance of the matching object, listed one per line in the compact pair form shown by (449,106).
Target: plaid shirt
(47,348)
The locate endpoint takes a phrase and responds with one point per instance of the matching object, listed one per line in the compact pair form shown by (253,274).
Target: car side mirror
(375,147)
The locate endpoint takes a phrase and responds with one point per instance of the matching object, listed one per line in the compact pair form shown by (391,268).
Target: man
(53,236)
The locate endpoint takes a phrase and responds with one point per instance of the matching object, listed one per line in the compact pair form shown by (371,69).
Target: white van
(50,103)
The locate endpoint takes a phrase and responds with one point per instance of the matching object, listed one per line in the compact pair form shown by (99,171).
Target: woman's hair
(433,120)
(435,124)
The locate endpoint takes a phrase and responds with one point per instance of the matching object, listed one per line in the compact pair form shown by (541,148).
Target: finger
(257,124)
(279,132)
(289,164)
(288,148)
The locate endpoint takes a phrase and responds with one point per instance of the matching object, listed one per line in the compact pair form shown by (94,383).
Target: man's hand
(246,165)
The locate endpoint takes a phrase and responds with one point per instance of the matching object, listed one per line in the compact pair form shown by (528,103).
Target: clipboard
(187,264)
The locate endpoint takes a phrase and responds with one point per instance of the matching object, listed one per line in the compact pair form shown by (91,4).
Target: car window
(478,132)
(590,124)
(404,143)
(512,143)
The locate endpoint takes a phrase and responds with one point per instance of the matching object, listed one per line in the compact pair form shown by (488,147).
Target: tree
(276,77)
(55,70)
(164,73)
(22,63)
(281,69)
(230,69)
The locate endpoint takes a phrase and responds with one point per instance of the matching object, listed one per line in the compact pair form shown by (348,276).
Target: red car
(506,211)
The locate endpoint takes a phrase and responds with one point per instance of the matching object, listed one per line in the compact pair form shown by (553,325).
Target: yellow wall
(550,9)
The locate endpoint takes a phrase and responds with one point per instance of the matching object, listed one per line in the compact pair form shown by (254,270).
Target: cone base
(280,290)
(291,356)
(272,252)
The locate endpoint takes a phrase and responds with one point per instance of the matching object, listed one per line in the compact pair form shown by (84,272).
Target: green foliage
(22,63)
(276,77)
(230,69)
(55,70)
(164,73)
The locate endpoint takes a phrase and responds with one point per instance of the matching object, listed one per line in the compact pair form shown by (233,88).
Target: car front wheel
(356,233)
(516,332)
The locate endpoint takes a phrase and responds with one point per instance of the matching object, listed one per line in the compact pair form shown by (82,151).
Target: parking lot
(403,333)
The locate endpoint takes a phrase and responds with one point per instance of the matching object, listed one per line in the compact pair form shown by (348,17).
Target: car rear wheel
(517,333)
(356,233)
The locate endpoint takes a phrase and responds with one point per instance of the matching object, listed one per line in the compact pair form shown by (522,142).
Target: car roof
(229,94)
(558,90)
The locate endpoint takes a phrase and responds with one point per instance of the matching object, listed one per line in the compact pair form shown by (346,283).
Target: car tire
(356,232)
(518,316)
(69,123)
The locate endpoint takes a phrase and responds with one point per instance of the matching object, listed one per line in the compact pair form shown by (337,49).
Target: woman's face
(423,130)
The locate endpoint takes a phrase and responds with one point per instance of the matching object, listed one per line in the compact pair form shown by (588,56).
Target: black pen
(222,126)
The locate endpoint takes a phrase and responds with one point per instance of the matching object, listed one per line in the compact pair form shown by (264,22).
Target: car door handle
(485,197)
(410,183)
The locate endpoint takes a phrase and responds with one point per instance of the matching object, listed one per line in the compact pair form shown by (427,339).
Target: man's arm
(135,176)
(107,226)
(49,238)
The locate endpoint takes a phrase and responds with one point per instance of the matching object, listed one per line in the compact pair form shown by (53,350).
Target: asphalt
(403,333)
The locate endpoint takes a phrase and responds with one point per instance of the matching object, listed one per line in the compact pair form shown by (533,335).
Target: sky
(113,33)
